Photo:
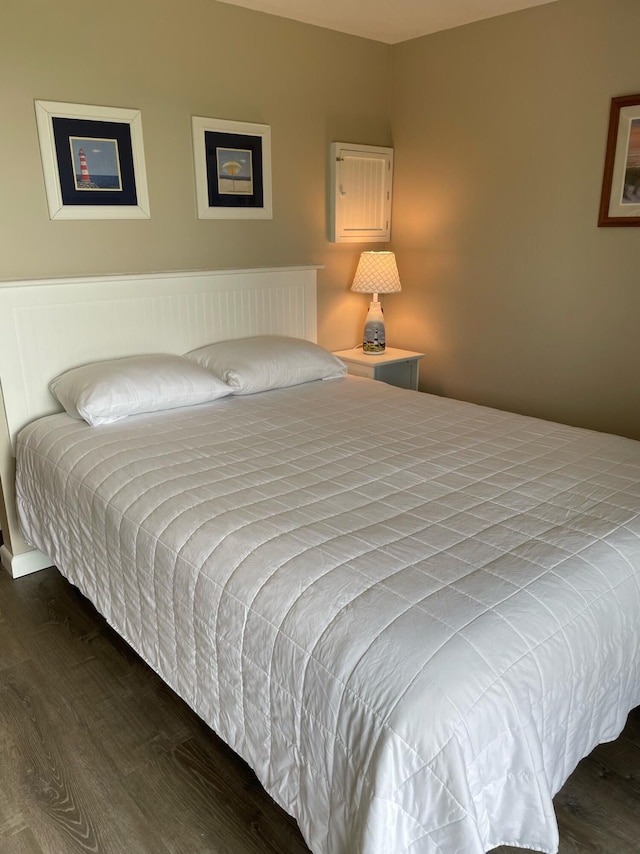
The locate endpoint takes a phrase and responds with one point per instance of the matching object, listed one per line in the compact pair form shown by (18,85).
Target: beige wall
(173,60)
(519,300)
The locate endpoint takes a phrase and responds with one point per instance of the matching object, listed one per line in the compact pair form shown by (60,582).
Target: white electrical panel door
(361,181)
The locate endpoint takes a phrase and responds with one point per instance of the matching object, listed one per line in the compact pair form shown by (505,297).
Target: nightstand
(396,367)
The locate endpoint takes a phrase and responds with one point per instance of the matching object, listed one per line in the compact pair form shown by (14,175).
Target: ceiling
(389,21)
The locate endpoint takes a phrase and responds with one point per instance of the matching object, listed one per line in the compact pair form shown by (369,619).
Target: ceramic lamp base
(373,341)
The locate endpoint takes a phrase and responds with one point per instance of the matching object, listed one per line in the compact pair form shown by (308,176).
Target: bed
(412,628)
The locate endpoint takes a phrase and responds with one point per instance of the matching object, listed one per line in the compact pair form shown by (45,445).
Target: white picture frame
(93,161)
(232,162)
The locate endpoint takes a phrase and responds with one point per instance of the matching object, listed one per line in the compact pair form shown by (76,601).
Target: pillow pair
(103,392)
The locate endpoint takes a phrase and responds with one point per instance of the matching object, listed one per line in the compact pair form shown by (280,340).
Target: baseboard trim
(25,563)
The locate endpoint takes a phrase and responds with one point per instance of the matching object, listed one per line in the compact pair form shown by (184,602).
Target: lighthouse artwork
(85,182)
(96,165)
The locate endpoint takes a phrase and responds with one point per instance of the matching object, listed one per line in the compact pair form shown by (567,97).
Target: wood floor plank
(72,800)
(11,649)
(20,843)
(123,722)
(189,788)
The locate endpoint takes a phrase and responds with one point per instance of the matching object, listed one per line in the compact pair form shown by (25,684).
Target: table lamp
(377,273)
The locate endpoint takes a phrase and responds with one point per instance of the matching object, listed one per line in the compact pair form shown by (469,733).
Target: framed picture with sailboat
(232,169)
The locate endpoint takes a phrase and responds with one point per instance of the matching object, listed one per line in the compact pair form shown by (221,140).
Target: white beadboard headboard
(51,325)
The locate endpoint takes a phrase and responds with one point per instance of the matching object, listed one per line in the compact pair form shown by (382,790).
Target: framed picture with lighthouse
(232,169)
(93,161)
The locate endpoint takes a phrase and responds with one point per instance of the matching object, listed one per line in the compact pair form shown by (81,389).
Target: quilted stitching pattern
(413,642)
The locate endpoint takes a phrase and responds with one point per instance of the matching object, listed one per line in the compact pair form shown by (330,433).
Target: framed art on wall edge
(232,169)
(620,200)
(93,161)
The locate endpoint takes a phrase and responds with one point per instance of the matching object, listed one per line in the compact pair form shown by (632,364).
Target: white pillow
(102,392)
(250,365)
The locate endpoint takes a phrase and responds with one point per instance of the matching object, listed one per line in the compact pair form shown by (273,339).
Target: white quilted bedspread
(412,616)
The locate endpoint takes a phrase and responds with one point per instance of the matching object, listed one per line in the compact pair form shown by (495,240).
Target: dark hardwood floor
(98,755)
